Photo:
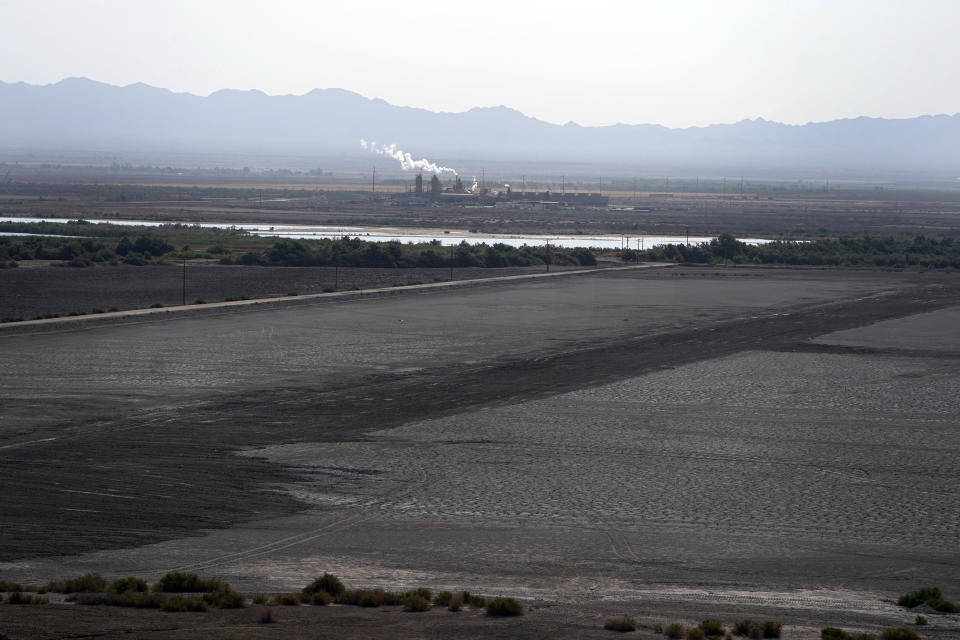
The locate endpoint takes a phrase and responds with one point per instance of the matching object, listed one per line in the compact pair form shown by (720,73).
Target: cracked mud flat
(737,443)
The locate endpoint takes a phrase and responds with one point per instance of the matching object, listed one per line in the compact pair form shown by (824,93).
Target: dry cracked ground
(670,443)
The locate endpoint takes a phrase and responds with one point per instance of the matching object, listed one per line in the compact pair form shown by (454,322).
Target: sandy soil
(670,444)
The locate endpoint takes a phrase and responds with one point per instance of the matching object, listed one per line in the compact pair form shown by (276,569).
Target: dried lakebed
(688,440)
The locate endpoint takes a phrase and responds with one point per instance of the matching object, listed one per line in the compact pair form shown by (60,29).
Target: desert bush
(502,607)
(930,596)
(177,603)
(10,586)
(748,628)
(920,621)
(89,583)
(259,599)
(415,602)
(327,583)
(156,305)
(224,599)
(474,601)
(286,599)
(772,629)
(176,582)
(266,616)
(696,634)
(899,633)
(141,600)
(426,594)
(456,602)
(123,585)
(320,598)
(832,633)
(620,623)
(712,627)
(442,598)
(369,598)
(19,597)
(674,630)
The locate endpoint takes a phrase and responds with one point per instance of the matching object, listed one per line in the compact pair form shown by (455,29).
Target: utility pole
(183,289)
(638,250)
(451,263)
(549,256)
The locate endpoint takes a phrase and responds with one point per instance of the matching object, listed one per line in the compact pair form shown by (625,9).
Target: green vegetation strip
(866,251)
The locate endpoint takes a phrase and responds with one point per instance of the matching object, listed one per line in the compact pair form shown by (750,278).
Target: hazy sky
(669,62)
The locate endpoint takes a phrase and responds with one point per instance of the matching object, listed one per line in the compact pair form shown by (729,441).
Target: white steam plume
(407,163)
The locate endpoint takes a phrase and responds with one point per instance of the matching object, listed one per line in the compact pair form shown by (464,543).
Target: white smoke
(475,187)
(407,163)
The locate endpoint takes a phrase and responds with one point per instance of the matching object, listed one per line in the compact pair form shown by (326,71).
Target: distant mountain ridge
(78,113)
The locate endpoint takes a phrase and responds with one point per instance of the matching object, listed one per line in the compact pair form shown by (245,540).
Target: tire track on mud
(183,468)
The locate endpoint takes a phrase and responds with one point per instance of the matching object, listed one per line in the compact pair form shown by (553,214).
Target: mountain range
(82,114)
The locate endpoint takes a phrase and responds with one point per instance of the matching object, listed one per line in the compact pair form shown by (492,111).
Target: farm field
(674,443)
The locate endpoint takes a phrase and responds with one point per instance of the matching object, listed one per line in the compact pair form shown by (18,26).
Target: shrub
(328,583)
(320,598)
(930,596)
(266,616)
(620,623)
(18,597)
(920,621)
(286,599)
(748,628)
(502,607)
(674,630)
(771,629)
(259,599)
(156,305)
(123,585)
(369,598)
(712,627)
(426,594)
(443,598)
(199,301)
(832,633)
(224,599)
(10,586)
(414,602)
(181,604)
(176,582)
(899,633)
(89,583)
(696,634)
(142,600)
(292,293)
(456,602)
(474,601)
